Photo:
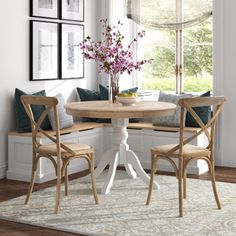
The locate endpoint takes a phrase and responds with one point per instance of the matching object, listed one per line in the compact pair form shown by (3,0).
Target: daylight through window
(181,49)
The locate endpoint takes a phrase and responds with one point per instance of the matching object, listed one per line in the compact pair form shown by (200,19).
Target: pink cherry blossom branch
(110,52)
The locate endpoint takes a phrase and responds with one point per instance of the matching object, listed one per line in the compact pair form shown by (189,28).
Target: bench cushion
(78,126)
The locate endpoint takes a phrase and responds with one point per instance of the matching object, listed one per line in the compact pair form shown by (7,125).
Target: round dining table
(120,154)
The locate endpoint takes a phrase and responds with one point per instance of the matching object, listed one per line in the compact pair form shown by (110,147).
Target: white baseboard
(43,177)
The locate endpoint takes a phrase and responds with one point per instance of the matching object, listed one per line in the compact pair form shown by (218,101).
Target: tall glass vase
(113,87)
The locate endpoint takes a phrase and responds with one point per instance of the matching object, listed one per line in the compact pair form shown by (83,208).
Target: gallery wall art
(44,8)
(43,50)
(72,60)
(54,40)
(72,10)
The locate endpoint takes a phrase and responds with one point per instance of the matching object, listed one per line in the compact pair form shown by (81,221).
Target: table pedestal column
(120,154)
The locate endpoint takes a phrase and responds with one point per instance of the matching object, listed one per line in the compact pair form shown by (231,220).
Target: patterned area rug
(123,211)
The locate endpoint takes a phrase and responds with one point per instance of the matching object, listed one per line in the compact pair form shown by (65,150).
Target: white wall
(225,78)
(14,65)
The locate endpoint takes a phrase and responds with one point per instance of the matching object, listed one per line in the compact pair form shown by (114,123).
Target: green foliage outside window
(197,59)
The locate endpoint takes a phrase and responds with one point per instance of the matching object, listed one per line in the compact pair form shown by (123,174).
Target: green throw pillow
(88,95)
(22,120)
(204,114)
(104,93)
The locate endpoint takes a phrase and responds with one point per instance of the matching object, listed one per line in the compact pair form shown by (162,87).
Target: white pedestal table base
(120,154)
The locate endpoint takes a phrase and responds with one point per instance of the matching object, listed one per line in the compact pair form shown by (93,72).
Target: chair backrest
(49,103)
(188,104)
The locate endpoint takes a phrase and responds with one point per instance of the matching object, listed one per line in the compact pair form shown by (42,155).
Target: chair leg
(58,187)
(184,182)
(66,181)
(212,170)
(180,180)
(153,170)
(91,167)
(31,186)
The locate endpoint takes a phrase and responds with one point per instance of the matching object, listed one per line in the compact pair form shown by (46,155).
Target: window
(160,46)
(198,70)
(182,58)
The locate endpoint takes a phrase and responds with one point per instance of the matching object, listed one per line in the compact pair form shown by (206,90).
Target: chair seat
(188,150)
(78,148)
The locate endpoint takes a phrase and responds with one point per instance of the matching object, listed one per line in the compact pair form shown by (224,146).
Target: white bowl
(128,101)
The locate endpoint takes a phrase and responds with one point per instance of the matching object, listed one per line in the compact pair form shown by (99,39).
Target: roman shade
(168,14)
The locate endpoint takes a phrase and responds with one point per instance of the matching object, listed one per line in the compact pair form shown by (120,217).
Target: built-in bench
(142,136)
(78,126)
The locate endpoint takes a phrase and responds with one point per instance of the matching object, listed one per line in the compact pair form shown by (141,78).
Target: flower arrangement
(113,58)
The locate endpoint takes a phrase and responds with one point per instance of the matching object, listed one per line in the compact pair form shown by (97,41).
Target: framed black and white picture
(72,60)
(72,10)
(44,8)
(43,50)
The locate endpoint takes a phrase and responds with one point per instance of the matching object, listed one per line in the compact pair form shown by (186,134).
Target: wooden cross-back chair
(185,152)
(59,153)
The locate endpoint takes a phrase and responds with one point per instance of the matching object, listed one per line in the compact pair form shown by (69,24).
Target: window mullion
(177,61)
(181,69)
(179,49)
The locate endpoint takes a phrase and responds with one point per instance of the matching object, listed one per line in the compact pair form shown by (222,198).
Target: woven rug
(123,211)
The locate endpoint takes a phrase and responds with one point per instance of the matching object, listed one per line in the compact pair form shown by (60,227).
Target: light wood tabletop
(104,109)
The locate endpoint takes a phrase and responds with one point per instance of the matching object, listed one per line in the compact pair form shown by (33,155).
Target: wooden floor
(10,189)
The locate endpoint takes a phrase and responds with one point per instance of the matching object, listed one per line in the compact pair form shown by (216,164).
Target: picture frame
(72,59)
(44,50)
(72,10)
(44,8)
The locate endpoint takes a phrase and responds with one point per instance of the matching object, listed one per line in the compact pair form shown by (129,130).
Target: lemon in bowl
(128,99)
